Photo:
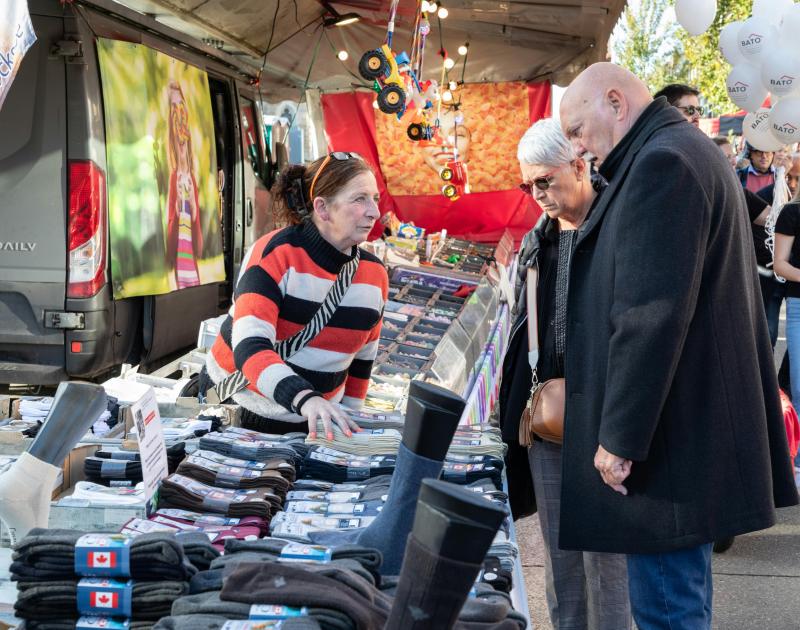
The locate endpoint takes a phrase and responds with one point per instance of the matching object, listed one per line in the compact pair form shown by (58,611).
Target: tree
(645,42)
(708,67)
(650,43)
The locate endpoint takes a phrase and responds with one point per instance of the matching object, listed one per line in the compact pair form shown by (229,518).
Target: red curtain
(350,126)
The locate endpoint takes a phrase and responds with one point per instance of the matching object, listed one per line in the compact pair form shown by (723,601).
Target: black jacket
(668,358)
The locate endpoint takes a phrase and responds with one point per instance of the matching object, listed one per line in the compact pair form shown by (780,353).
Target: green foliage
(709,68)
(651,44)
(645,41)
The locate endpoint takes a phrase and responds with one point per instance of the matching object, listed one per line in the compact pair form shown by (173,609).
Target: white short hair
(545,143)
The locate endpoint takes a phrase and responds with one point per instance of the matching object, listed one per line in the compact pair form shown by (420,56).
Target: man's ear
(616,99)
(321,208)
(580,168)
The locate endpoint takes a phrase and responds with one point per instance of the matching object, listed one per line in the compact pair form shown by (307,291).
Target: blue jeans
(793,343)
(673,590)
(772,293)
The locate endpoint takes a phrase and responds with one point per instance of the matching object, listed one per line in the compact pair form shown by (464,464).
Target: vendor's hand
(317,408)
(614,470)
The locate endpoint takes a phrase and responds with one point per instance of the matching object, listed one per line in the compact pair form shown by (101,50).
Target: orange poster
(485,127)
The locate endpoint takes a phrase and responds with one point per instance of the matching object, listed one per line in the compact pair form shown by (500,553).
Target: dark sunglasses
(542,183)
(340,156)
(691,110)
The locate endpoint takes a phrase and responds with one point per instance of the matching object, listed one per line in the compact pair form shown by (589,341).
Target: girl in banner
(184,234)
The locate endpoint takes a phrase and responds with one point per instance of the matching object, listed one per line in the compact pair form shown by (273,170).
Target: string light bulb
(432,6)
(453,86)
(447,96)
(342,55)
(375,104)
(443,13)
(449,63)
(425,7)
(463,49)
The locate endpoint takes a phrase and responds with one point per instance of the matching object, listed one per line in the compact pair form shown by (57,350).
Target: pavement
(756,582)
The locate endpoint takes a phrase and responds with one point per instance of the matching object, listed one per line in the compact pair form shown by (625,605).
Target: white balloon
(771,10)
(757,130)
(729,43)
(780,72)
(695,15)
(754,36)
(790,28)
(744,87)
(785,120)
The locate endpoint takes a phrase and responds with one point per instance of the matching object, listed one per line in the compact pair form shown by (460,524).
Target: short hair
(720,140)
(545,143)
(675,91)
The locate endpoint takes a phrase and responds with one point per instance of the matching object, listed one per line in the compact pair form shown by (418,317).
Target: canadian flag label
(101,596)
(103,555)
(104,599)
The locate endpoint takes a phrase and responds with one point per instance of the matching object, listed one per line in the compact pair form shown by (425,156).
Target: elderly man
(674,431)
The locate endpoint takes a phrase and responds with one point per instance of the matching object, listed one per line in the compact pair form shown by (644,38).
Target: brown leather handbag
(544,414)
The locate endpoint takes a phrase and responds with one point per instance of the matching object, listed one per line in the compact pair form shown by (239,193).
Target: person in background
(331,206)
(792,176)
(761,171)
(685,99)
(787,265)
(583,589)
(758,209)
(671,390)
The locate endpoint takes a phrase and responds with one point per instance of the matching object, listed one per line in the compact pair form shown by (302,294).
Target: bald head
(600,106)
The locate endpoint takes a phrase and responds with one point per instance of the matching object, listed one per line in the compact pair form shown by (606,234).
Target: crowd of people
(654,289)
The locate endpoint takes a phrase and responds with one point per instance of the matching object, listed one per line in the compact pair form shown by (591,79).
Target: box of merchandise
(76,515)
(185,408)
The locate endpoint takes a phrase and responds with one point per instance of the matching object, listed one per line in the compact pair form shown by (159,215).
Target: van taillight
(87,234)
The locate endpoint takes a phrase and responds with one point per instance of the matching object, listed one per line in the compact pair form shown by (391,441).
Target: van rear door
(33,230)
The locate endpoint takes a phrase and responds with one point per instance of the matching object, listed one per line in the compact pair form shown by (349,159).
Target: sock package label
(107,623)
(100,596)
(274,612)
(104,555)
(298,552)
(249,625)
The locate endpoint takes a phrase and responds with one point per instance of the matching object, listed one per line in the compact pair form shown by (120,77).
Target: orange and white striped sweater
(283,281)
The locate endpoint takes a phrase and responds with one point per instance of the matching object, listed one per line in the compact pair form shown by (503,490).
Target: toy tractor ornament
(455,174)
(381,66)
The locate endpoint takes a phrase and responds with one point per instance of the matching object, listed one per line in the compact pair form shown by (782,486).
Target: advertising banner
(16,37)
(163,196)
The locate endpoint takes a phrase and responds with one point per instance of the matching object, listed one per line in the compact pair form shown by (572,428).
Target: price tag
(298,552)
(276,612)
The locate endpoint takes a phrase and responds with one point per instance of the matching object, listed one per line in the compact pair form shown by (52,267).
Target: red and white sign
(104,599)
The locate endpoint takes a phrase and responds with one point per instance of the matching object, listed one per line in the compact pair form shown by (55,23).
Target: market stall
(159,463)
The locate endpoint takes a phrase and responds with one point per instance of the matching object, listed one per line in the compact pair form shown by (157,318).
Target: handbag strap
(286,348)
(532,285)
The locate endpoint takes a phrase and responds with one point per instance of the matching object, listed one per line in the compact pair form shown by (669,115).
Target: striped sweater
(284,279)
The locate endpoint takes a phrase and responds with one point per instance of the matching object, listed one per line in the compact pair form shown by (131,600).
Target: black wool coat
(668,360)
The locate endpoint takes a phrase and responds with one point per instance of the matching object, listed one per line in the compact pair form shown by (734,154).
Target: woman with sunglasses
(584,590)
(273,355)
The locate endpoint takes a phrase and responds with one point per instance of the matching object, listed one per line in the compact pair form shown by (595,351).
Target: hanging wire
(390,25)
(350,72)
(308,76)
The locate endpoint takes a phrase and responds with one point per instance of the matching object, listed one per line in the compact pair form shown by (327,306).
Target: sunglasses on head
(341,156)
(541,183)
(691,110)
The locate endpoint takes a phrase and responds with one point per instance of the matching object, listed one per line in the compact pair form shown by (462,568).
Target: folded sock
(292,586)
(178,491)
(58,600)
(49,554)
(198,549)
(226,472)
(322,463)
(216,622)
